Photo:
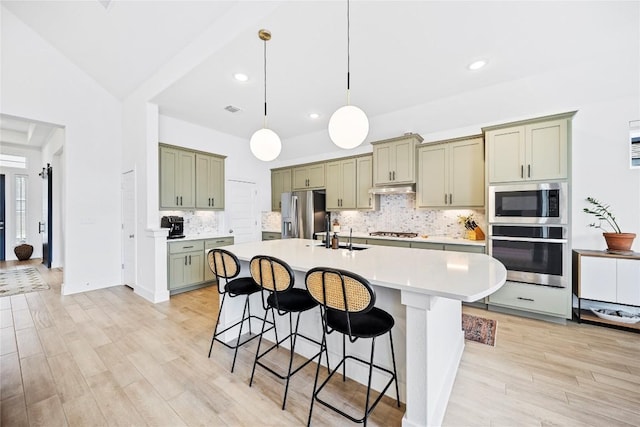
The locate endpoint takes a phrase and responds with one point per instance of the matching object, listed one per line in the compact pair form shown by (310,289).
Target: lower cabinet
(187,263)
(540,299)
(271,235)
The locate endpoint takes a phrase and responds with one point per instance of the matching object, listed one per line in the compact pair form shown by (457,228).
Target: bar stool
(347,305)
(276,279)
(225,266)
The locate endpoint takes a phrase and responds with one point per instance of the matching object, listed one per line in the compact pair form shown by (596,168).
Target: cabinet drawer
(270,235)
(189,246)
(536,298)
(382,242)
(465,248)
(427,245)
(216,243)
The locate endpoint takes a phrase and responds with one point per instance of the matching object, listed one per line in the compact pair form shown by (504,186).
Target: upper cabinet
(280,183)
(341,185)
(529,151)
(309,177)
(177,178)
(394,160)
(451,173)
(190,179)
(209,182)
(364,181)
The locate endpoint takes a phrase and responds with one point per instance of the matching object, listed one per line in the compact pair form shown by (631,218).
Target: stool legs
(395,372)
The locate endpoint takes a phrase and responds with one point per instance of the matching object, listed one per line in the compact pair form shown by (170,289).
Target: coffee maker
(175,224)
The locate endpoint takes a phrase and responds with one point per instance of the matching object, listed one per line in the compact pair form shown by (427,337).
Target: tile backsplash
(396,212)
(199,222)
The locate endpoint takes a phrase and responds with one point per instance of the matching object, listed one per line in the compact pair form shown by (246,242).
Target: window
(9,161)
(21,208)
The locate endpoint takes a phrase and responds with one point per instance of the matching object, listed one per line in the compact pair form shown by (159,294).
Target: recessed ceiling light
(476,65)
(314,115)
(241,77)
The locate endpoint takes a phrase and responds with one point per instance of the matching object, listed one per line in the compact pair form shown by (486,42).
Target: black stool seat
(242,286)
(293,300)
(373,323)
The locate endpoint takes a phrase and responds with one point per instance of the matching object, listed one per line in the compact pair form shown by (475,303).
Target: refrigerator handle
(294,217)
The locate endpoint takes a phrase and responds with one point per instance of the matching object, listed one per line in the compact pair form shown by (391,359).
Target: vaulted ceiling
(403,53)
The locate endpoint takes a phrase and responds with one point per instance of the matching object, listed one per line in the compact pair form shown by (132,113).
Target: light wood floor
(109,357)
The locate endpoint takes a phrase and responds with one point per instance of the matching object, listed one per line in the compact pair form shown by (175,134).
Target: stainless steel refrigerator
(303,214)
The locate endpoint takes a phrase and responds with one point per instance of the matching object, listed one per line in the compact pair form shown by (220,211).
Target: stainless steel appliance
(538,203)
(536,254)
(303,214)
(175,224)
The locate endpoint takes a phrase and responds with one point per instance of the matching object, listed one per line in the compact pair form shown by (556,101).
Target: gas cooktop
(393,234)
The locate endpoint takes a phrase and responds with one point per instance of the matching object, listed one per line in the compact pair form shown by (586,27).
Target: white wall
(39,83)
(34,200)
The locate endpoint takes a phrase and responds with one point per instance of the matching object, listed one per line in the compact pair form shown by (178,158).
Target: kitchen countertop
(431,239)
(455,275)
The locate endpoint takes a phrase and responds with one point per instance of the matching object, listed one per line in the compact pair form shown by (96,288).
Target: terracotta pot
(619,241)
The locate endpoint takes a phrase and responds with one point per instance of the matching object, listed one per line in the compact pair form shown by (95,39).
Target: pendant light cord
(265,84)
(348,53)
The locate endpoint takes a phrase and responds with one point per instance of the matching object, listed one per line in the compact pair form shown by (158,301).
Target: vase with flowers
(616,240)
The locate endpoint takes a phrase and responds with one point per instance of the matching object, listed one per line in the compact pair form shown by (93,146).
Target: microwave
(538,203)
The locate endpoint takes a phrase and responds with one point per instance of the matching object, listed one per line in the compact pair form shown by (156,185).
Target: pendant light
(349,125)
(265,144)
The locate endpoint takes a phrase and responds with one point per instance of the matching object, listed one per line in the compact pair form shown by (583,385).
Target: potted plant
(616,239)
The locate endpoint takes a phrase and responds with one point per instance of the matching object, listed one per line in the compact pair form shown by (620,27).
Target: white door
(242,214)
(128,229)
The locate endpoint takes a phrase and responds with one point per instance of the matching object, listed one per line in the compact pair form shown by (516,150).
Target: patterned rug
(479,329)
(21,281)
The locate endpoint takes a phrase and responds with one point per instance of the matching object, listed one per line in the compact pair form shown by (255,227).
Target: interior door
(128,229)
(242,212)
(47,215)
(2,215)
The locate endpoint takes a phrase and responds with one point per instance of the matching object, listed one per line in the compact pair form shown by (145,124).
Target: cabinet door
(216,177)
(280,183)
(364,169)
(546,149)
(300,178)
(506,154)
(382,167)
(168,178)
(433,175)
(348,199)
(178,263)
(317,175)
(186,179)
(334,185)
(195,268)
(404,167)
(598,278)
(466,173)
(628,275)
(203,182)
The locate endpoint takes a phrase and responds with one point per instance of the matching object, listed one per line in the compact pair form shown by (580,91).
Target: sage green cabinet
(451,174)
(309,177)
(186,264)
(465,248)
(364,181)
(394,160)
(341,185)
(529,151)
(177,178)
(394,243)
(271,235)
(209,182)
(280,183)
(210,244)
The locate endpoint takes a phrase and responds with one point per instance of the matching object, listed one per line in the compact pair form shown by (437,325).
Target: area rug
(479,329)
(21,281)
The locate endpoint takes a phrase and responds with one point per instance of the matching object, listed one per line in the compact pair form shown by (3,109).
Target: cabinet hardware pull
(187,247)
(450,199)
(526,299)
(180,200)
(394,175)
(189,259)
(521,171)
(529,171)
(445,198)
(176,200)
(213,201)
(389,175)
(219,241)
(369,201)
(185,260)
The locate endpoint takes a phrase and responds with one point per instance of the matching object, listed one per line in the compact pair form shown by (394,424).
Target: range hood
(394,189)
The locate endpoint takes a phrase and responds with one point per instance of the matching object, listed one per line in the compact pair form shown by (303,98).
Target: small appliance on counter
(175,224)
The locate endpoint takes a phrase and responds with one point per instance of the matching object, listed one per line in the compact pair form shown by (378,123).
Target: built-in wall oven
(528,232)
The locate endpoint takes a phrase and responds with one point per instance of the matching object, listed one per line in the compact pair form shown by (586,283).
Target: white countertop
(344,234)
(455,275)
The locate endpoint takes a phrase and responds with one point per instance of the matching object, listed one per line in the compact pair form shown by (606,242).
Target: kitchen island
(422,289)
